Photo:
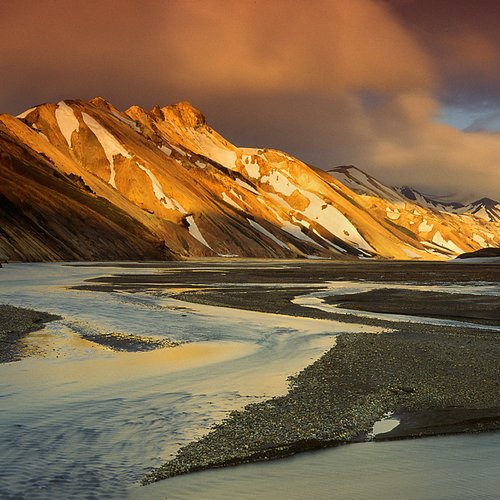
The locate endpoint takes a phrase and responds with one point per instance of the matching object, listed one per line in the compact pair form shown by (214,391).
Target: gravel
(415,370)
(15,323)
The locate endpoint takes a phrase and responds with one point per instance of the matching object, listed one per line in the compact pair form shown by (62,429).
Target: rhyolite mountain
(81,180)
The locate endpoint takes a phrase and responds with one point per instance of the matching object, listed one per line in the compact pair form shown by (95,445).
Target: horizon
(406,91)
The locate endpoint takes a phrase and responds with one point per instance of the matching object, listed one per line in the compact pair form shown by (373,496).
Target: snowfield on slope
(66,120)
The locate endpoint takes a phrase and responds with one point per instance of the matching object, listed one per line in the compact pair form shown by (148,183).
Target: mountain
(430,201)
(486,208)
(80,180)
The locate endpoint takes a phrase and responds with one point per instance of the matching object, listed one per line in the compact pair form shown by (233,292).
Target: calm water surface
(80,421)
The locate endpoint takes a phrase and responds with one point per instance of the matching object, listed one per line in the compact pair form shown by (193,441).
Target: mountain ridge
(191,193)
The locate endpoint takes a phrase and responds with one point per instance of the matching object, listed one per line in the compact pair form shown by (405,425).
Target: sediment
(16,323)
(436,379)
(419,370)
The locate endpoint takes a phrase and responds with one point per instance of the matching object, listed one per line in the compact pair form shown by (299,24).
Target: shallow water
(451,468)
(314,300)
(85,422)
(80,421)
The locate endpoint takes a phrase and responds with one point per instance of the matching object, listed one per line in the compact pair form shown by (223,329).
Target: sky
(407,90)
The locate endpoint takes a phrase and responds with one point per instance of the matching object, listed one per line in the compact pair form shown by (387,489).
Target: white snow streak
(66,120)
(24,114)
(295,231)
(230,201)
(195,232)
(159,193)
(439,240)
(340,249)
(267,233)
(246,186)
(108,142)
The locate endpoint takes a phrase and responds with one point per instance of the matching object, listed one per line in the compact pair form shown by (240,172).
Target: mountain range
(81,180)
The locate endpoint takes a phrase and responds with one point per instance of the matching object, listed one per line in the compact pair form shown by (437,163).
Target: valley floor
(420,341)
(436,378)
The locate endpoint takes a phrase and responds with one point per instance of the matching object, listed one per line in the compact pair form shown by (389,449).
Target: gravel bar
(15,323)
(416,371)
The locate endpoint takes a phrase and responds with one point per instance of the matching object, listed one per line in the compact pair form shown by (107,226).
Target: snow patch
(221,155)
(253,169)
(158,191)
(410,253)
(333,221)
(127,121)
(267,233)
(301,222)
(439,240)
(166,150)
(279,182)
(340,249)
(425,227)
(180,151)
(195,232)
(66,120)
(392,214)
(295,231)
(24,114)
(482,214)
(479,239)
(387,424)
(280,200)
(108,142)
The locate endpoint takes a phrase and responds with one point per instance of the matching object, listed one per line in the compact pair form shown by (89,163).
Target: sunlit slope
(442,228)
(195,194)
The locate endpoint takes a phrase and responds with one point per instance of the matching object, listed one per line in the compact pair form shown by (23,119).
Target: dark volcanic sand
(471,308)
(15,323)
(438,379)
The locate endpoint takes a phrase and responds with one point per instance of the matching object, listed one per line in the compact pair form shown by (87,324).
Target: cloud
(330,81)
(292,45)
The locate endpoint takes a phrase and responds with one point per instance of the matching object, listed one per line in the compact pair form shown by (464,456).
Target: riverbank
(420,370)
(15,324)
(436,379)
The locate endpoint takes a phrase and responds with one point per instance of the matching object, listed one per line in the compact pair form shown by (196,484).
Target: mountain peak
(186,113)
(100,102)
(487,202)
(157,112)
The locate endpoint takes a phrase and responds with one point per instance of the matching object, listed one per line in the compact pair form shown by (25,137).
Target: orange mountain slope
(82,180)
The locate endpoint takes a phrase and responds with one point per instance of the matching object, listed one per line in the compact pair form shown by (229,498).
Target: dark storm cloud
(331,81)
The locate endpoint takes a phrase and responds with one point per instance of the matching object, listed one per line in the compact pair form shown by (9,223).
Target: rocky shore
(15,323)
(440,380)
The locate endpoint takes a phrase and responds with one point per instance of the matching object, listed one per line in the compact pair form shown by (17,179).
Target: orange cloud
(294,46)
(331,81)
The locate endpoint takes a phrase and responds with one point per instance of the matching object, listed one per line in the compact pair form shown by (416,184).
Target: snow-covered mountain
(430,201)
(486,208)
(82,180)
